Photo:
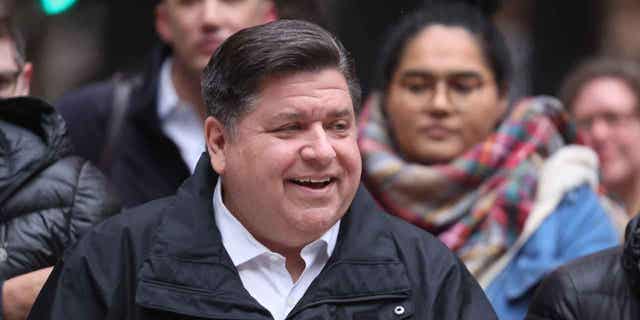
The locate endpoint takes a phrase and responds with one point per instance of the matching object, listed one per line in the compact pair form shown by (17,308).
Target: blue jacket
(577,227)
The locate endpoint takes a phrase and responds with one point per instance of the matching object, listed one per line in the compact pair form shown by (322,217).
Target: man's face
(195,28)
(14,80)
(606,113)
(292,166)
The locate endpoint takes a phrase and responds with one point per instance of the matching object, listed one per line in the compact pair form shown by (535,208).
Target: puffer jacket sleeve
(93,202)
(555,299)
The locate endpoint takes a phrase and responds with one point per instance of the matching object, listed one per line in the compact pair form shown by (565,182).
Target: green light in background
(52,7)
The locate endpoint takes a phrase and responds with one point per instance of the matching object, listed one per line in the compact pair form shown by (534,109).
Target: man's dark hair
(232,79)
(619,68)
(450,14)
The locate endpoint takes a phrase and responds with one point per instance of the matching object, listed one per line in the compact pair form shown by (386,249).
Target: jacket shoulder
(402,231)
(587,288)
(89,280)
(436,273)
(136,225)
(122,239)
(96,96)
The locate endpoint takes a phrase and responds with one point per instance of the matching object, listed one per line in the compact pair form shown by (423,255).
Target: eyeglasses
(611,119)
(8,81)
(460,89)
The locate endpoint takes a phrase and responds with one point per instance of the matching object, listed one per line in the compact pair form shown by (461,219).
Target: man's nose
(599,129)
(318,149)
(212,13)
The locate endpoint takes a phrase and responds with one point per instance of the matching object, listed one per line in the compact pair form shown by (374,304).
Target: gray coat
(48,199)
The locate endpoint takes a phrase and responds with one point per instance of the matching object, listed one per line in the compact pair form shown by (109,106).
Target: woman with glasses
(603,95)
(499,185)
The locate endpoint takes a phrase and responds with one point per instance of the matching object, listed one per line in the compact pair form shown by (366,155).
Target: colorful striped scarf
(476,204)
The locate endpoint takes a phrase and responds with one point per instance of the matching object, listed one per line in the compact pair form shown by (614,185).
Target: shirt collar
(242,246)
(167,96)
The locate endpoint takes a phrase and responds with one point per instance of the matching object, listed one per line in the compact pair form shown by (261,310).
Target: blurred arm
(19,293)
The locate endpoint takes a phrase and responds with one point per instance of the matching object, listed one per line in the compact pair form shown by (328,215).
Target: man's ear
(216,143)
(162,23)
(271,14)
(23,83)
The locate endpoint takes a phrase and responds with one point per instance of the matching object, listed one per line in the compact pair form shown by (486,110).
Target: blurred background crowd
(93,38)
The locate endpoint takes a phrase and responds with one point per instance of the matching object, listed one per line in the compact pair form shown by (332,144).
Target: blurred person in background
(603,95)
(604,285)
(48,198)
(442,150)
(145,131)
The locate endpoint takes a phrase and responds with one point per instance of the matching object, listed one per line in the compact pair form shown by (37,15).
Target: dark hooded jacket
(140,148)
(165,260)
(47,198)
(605,285)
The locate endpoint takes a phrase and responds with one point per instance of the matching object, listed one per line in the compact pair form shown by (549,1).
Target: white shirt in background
(180,122)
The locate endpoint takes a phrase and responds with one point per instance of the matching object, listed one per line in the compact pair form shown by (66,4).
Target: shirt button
(291,302)
(399,310)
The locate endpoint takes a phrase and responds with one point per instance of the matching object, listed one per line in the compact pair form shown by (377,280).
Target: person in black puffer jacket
(605,285)
(48,198)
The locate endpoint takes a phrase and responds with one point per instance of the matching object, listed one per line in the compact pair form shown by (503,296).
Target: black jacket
(165,260)
(605,285)
(47,198)
(141,150)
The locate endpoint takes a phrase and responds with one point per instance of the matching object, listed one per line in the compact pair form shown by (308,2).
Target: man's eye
(340,125)
(289,127)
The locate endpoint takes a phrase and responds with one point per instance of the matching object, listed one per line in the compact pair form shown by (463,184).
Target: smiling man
(273,224)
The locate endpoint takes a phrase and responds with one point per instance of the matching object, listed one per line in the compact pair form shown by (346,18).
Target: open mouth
(313,183)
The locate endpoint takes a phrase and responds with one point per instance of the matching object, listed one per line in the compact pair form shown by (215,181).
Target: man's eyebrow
(341,113)
(287,116)
(297,116)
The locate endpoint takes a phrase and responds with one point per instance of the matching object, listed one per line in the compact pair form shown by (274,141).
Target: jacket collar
(144,100)
(188,270)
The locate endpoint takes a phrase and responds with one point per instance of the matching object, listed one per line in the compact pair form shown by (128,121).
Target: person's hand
(19,293)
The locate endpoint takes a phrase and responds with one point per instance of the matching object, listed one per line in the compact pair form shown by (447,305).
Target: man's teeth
(308,180)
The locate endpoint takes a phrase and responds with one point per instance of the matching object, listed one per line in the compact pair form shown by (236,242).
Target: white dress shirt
(262,271)
(180,122)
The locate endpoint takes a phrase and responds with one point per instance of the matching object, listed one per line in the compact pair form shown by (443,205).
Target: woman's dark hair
(456,14)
